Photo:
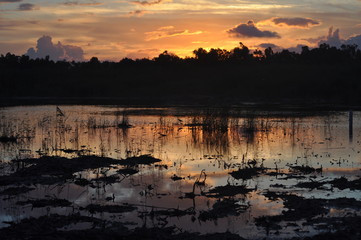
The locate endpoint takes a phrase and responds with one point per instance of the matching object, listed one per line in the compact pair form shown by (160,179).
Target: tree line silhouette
(323,75)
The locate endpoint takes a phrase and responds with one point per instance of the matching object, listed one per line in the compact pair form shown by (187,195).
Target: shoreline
(206,102)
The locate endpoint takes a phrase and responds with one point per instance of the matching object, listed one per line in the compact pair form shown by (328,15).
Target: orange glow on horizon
(135,29)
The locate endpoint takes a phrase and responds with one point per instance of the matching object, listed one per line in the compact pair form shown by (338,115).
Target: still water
(198,149)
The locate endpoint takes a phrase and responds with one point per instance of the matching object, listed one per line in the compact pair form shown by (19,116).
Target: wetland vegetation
(172,173)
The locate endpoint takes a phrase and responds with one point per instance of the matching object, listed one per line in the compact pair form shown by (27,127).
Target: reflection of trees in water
(47,135)
(22,134)
(107,134)
(251,132)
(216,132)
(75,137)
(211,130)
(60,129)
(216,140)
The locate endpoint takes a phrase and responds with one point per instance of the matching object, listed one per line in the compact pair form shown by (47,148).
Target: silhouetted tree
(240,54)
(258,54)
(167,57)
(201,54)
(324,73)
(94,61)
(268,52)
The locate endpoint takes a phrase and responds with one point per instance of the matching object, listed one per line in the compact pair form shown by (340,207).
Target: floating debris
(305,169)
(228,190)
(52,202)
(50,170)
(342,183)
(16,191)
(277,185)
(301,208)
(176,178)
(143,159)
(94,208)
(173,212)
(127,171)
(247,172)
(311,185)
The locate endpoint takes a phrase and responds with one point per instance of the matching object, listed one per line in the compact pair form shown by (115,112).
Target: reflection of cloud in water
(186,143)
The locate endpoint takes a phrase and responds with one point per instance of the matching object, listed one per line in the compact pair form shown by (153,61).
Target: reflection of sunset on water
(188,142)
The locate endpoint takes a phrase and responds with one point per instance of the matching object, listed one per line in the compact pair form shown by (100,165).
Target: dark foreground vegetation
(299,212)
(324,75)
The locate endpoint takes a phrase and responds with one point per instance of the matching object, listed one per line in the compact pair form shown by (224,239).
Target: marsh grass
(16,131)
(211,128)
(124,123)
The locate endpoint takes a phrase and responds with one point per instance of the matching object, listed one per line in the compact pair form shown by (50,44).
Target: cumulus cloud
(354,40)
(297,22)
(45,47)
(27,7)
(334,39)
(249,30)
(168,31)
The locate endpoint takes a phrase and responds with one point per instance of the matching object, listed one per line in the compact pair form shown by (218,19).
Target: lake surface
(200,150)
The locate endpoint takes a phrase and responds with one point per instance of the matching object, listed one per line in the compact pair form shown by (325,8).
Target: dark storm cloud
(45,47)
(249,30)
(26,7)
(296,22)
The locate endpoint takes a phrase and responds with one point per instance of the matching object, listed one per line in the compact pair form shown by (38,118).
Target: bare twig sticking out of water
(200,181)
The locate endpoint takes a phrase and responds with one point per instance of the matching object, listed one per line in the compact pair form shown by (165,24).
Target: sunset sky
(114,29)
